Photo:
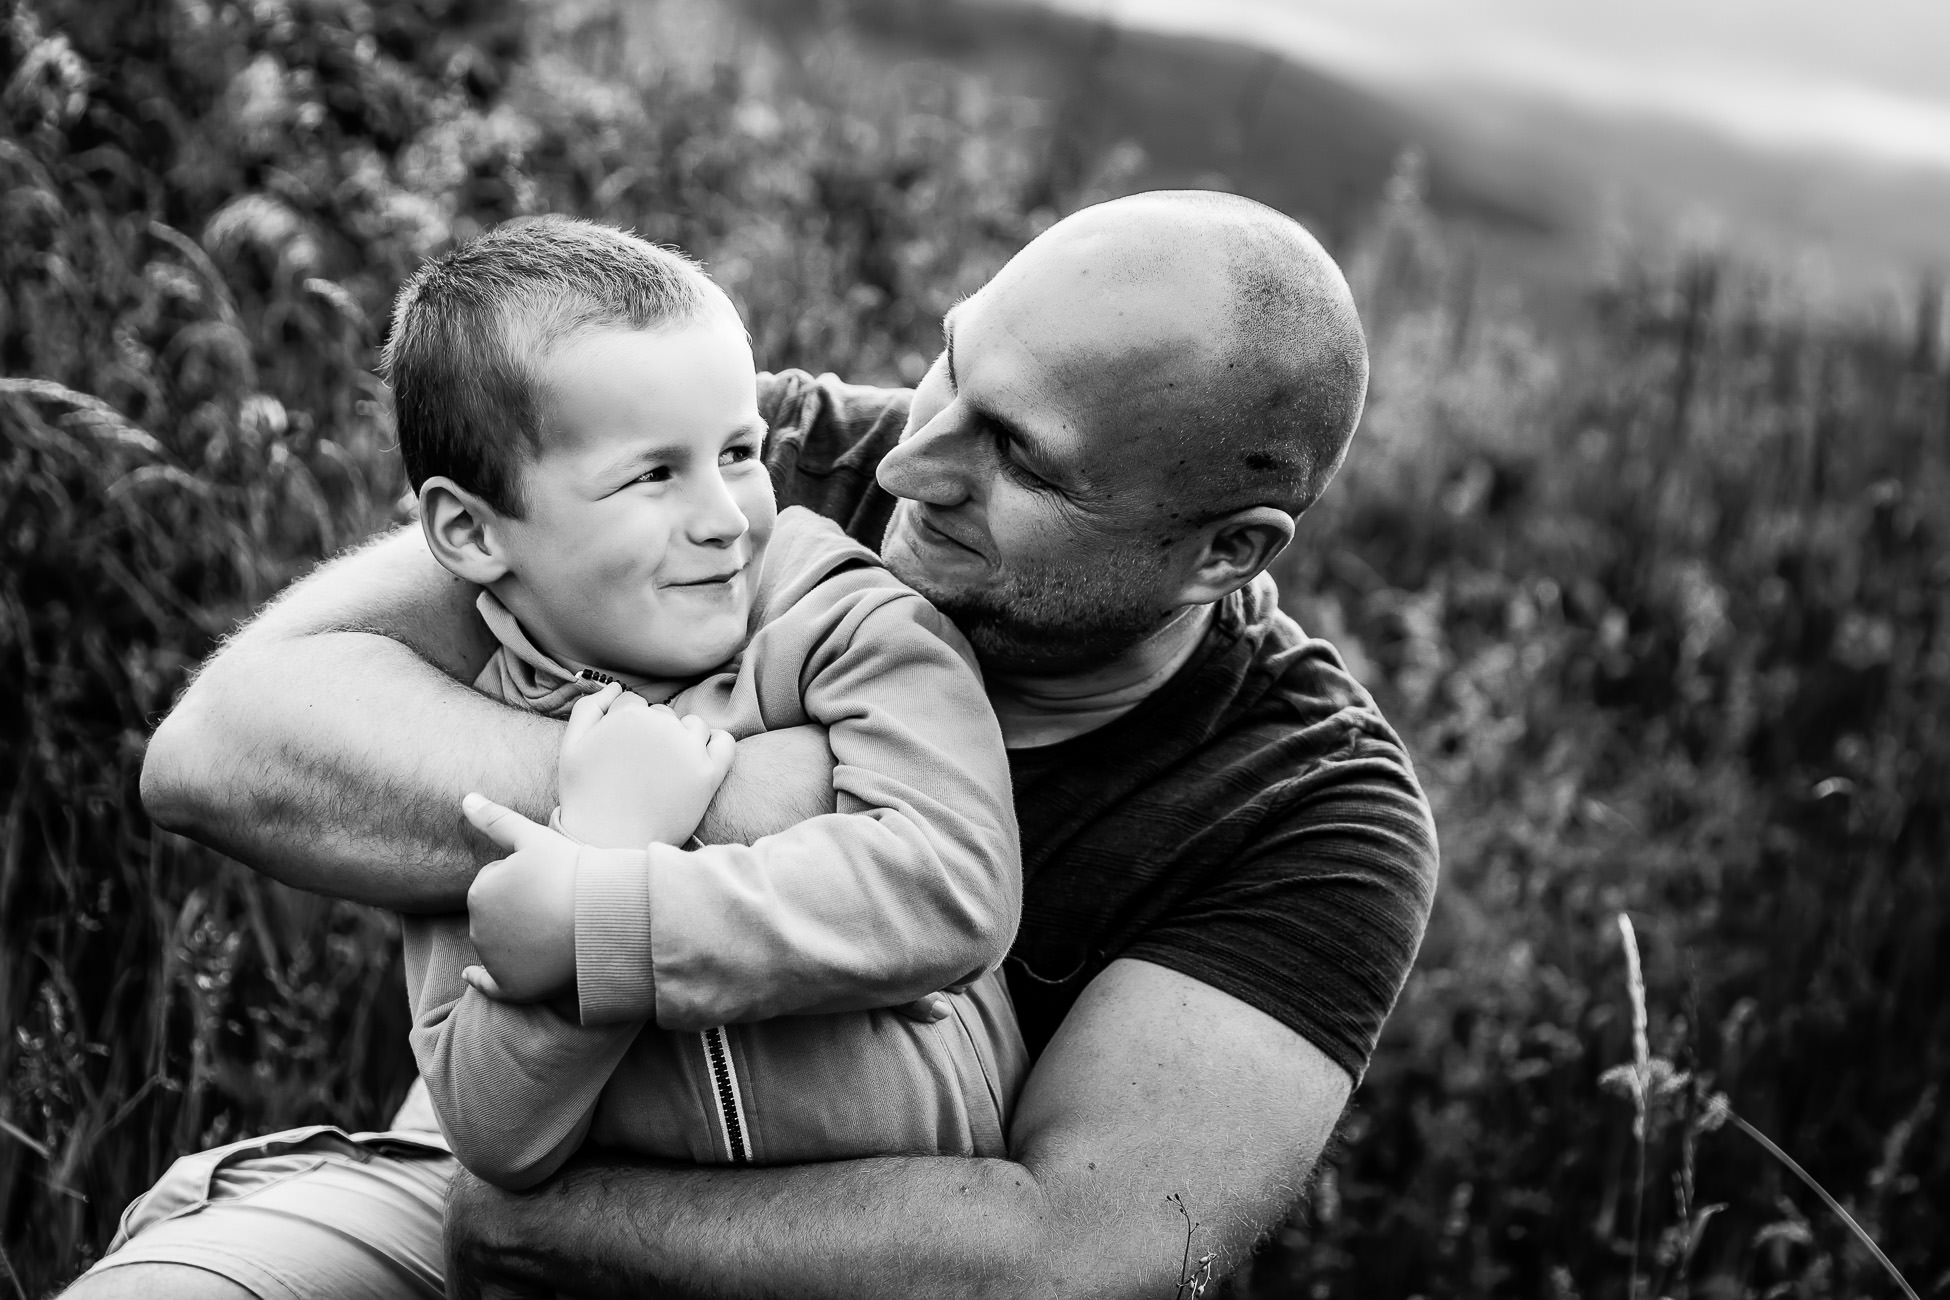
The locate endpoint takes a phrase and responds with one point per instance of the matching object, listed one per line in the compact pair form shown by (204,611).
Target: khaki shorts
(310,1212)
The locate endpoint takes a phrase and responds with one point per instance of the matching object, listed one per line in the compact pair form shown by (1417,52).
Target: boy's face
(649,506)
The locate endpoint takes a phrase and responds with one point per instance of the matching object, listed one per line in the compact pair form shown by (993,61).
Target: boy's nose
(715,516)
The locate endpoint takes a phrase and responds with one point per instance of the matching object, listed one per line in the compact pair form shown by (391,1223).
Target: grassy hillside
(1853,229)
(1662,605)
(1543,186)
(1291,136)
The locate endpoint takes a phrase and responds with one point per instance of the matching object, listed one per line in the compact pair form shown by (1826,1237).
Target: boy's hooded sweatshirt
(913,885)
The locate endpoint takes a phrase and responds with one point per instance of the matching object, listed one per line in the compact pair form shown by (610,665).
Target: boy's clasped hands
(629,774)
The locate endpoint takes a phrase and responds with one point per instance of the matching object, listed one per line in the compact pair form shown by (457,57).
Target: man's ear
(1233,551)
(459,529)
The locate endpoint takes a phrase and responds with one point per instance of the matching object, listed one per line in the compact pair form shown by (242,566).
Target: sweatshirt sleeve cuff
(614,976)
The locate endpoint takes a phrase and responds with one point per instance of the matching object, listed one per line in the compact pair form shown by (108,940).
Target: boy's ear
(459,529)
(1233,551)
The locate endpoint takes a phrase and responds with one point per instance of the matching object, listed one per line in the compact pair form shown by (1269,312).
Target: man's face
(1035,470)
(649,507)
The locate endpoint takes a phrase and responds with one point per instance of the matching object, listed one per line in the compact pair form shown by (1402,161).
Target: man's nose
(935,464)
(715,518)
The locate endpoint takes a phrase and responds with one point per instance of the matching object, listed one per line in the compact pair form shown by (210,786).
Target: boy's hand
(521,910)
(631,773)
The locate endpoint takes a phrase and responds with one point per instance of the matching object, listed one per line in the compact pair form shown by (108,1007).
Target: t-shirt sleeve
(1319,919)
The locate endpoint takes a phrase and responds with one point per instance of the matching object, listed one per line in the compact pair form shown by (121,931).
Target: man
(1228,863)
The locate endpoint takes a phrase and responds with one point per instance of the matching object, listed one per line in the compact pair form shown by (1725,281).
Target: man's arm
(1155,1087)
(328,743)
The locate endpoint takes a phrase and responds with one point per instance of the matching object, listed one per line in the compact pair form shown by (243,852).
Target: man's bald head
(1254,376)
(1123,424)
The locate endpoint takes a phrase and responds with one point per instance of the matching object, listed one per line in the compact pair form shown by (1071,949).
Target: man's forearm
(860,1229)
(329,742)
(1165,1119)
(349,780)
(336,763)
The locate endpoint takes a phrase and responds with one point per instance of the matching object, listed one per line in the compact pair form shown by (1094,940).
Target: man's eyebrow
(948,346)
(1026,443)
(1017,437)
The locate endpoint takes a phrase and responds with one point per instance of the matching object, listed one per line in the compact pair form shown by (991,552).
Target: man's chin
(1020,625)
(906,562)
(1007,641)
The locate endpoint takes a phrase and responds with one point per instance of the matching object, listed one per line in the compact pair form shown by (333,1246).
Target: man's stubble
(1050,619)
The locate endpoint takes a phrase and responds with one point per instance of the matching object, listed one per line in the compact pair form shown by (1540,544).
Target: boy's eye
(661,474)
(738,453)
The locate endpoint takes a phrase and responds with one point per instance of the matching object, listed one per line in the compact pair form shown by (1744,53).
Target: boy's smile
(646,513)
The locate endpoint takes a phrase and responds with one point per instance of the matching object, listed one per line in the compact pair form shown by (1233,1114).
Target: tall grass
(1660,602)
(199,224)
(1664,607)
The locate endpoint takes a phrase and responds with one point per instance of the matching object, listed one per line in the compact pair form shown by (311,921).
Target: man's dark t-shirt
(1253,824)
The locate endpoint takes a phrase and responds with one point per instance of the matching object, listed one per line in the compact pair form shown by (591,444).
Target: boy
(577,410)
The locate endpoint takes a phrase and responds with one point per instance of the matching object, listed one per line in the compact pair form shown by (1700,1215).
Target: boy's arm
(515,1086)
(914,885)
(329,741)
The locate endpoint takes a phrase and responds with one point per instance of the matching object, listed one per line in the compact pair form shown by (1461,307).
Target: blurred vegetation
(1662,604)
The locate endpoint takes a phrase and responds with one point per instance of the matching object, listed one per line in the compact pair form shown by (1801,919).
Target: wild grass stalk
(1642,1075)
(1793,1166)
(1641,1086)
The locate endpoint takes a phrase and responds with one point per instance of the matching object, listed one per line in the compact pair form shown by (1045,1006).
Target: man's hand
(477,1259)
(632,773)
(521,910)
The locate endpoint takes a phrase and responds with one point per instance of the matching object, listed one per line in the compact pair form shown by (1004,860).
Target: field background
(1643,547)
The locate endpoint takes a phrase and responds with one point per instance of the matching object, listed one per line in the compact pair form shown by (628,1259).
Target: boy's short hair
(472,326)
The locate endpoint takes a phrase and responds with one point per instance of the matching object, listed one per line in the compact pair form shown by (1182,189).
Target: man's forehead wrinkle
(1204,349)
(1129,323)
(992,363)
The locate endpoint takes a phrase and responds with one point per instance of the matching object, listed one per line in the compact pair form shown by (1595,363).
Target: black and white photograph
(883,649)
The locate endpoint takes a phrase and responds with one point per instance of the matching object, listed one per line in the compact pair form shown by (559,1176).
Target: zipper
(724,1088)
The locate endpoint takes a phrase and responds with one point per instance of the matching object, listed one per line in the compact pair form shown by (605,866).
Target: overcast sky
(1864,77)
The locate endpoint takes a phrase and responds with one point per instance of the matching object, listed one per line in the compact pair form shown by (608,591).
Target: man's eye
(1022,473)
(1005,451)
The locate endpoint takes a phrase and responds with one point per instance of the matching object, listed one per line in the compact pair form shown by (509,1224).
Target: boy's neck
(1037,710)
(656,690)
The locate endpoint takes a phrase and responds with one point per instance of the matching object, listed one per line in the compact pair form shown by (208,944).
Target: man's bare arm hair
(328,742)
(1159,1092)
